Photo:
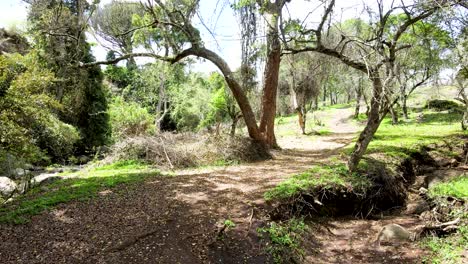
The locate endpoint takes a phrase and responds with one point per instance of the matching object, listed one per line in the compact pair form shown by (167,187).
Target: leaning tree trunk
(270,81)
(373,122)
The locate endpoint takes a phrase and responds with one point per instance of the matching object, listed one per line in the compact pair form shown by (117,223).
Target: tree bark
(394,114)
(301,118)
(358,101)
(404,106)
(373,122)
(270,81)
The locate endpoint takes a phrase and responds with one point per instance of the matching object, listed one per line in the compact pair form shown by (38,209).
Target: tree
(428,43)
(113,23)
(30,131)
(303,87)
(169,27)
(58,28)
(375,56)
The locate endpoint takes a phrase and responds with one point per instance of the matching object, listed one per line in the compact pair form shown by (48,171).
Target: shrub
(443,105)
(30,131)
(129,119)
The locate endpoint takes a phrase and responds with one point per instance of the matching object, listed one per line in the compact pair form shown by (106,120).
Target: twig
(250,221)
(165,153)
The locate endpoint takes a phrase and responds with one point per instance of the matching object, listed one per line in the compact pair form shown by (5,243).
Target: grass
(402,139)
(85,186)
(457,187)
(447,250)
(284,239)
(326,176)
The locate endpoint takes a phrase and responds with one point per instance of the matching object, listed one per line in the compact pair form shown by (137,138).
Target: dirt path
(179,219)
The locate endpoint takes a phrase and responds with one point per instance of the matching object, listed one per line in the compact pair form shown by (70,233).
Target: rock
(442,175)
(417,207)
(7,186)
(19,172)
(45,178)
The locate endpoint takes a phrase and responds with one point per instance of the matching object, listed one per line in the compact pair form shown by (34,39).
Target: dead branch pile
(187,150)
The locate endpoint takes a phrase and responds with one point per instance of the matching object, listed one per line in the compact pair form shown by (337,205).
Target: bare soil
(180,219)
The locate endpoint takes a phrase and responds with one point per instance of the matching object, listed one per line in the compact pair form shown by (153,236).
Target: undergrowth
(284,239)
(85,185)
(449,249)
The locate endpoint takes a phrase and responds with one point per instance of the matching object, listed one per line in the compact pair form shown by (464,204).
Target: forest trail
(180,219)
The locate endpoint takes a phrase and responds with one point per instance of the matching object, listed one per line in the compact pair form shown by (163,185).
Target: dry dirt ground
(179,219)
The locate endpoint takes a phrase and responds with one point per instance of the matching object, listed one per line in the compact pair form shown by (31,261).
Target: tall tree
(376,54)
(113,23)
(169,26)
(58,28)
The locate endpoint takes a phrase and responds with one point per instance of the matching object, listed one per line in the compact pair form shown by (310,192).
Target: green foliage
(323,177)
(120,76)
(220,101)
(129,119)
(190,102)
(29,128)
(79,90)
(457,187)
(285,239)
(228,223)
(85,186)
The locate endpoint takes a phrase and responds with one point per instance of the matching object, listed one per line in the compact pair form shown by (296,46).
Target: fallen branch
(132,241)
(444,226)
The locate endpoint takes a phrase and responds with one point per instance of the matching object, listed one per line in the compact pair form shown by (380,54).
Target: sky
(216,15)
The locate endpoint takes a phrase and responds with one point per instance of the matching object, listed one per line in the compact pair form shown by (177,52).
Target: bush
(129,119)
(444,105)
(30,131)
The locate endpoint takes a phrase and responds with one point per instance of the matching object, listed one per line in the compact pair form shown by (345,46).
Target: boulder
(7,186)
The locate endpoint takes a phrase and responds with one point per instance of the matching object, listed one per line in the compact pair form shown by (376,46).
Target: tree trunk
(373,122)
(324,100)
(234,124)
(464,122)
(236,89)
(394,114)
(358,101)
(270,80)
(301,118)
(404,106)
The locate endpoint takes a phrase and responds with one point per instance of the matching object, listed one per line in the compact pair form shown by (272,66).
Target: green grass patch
(85,186)
(325,176)
(447,250)
(336,106)
(284,239)
(457,187)
(407,137)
